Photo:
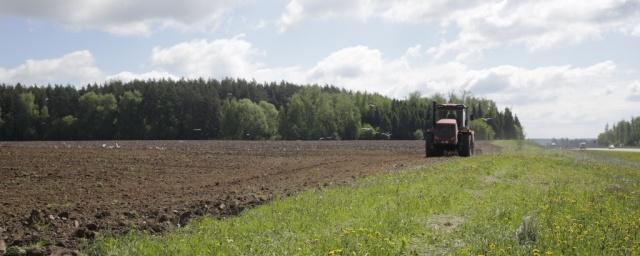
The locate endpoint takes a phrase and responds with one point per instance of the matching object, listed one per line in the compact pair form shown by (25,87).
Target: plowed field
(61,194)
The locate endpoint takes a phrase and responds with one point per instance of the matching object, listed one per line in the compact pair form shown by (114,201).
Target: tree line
(228,109)
(625,133)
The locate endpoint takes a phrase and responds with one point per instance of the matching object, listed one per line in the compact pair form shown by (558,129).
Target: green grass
(472,206)
(624,155)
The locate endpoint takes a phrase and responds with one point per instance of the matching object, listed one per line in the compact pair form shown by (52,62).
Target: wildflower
(335,252)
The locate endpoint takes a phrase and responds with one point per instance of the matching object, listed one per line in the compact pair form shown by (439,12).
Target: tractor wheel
(465,146)
(430,149)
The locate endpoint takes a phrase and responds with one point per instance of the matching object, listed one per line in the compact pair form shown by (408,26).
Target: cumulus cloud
(558,100)
(348,63)
(516,85)
(74,68)
(491,83)
(77,68)
(140,17)
(537,24)
(395,11)
(221,58)
(487,24)
(365,69)
(203,58)
(634,92)
(574,100)
(126,76)
(297,10)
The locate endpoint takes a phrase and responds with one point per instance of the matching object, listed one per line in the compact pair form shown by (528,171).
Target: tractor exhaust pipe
(433,115)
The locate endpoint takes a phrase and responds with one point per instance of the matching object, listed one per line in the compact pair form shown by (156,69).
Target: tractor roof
(447,121)
(451,106)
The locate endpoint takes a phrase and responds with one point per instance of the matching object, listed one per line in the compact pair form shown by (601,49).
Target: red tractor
(450,131)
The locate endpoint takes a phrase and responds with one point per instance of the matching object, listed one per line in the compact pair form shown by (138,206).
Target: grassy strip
(525,201)
(624,155)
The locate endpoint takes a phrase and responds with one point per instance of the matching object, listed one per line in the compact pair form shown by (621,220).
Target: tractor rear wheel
(465,146)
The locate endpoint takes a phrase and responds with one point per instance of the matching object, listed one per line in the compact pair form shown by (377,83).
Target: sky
(566,68)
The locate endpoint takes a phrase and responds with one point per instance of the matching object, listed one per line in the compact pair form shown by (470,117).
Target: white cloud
(127,76)
(537,24)
(365,69)
(140,17)
(297,10)
(558,100)
(395,11)
(574,100)
(73,68)
(634,91)
(203,58)
(221,58)
(349,63)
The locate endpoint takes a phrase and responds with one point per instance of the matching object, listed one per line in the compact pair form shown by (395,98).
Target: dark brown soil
(64,194)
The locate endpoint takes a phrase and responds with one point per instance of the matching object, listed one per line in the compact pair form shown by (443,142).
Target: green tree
(624,132)
(243,119)
(63,128)
(508,125)
(1,120)
(367,132)
(310,115)
(191,109)
(271,114)
(130,120)
(418,134)
(347,117)
(26,113)
(323,121)
(482,130)
(97,115)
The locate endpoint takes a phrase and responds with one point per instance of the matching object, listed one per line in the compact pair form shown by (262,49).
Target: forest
(626,133)
(229,109)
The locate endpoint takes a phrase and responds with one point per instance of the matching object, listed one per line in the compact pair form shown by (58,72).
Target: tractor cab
(455,112)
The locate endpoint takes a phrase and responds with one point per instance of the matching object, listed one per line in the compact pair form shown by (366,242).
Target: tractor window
(457,114)
(446,114)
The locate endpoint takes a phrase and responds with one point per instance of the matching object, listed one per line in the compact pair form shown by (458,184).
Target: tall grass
(477,205)
(616,155)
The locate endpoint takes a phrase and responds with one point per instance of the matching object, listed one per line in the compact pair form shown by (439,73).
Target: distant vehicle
(553,144)
(612,146)
(583,146)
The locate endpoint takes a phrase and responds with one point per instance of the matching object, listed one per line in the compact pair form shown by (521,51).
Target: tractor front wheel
(430,148)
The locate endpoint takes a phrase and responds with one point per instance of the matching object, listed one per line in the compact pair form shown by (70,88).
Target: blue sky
(565,67)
